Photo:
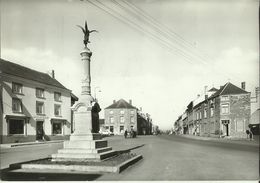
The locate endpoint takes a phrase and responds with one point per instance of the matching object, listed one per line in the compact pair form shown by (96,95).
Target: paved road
(171,158)
(27,153)
(178,158)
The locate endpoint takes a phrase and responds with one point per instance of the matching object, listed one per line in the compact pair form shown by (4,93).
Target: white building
(34,105)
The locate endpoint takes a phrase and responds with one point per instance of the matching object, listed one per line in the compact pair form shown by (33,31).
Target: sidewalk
(29,143)
(225,140)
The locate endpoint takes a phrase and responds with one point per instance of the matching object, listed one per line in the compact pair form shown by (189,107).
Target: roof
(213,89)
(229,89)
(11,68)
(74,97)
(120,104)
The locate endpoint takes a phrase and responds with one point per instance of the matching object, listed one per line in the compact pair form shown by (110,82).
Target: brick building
(226,112)
(34,105)
(120,116)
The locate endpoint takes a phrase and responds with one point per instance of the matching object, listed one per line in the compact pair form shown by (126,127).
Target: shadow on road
(7,175)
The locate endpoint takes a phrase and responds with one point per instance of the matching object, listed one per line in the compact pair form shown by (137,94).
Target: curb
(29,143)
(74,168)
(234,141)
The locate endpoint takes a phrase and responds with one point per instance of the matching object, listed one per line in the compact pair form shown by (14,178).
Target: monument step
(80,150)
(83,156)
(85,144)
(93,136)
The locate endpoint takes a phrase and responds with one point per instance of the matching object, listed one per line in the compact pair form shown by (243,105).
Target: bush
(218,132)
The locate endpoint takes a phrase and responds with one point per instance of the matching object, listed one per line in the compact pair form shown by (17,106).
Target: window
(122,119)
(111,120)
(39,92)
(211,112)
(57,96)
(225,108)
(57,110)
(56,128)
(200,115)
(39,107)
(17,88)
(111,112)
(132,112)
(16,126)
(16,105)
(122,112)
(111,129)
(121,129)
(224,98)
(132,120)
(205,112)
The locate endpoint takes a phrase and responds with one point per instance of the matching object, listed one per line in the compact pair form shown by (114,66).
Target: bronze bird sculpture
(86,33)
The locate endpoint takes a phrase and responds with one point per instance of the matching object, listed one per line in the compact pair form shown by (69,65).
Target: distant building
(225,112)
(34,105)
(144,123)
(120,116)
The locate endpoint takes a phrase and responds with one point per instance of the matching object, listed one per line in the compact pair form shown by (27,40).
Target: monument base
(88,147)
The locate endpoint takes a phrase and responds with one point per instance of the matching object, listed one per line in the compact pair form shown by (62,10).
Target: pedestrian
(125,134)
(250,134)
(247,134)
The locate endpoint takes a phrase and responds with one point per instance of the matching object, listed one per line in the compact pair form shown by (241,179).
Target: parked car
(106,133)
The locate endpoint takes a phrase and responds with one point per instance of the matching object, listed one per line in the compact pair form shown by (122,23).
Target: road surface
(170,157)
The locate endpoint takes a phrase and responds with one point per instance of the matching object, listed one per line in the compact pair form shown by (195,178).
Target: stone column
(86,87)
(82,108)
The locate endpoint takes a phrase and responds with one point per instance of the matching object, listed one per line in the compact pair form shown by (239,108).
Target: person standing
(250,134)
(125,134)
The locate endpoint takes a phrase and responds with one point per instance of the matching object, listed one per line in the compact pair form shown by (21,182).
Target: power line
(136,27)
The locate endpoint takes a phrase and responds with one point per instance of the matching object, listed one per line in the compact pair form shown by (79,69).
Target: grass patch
(109,162)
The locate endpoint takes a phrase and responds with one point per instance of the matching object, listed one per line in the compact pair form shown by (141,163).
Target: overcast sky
(160,54)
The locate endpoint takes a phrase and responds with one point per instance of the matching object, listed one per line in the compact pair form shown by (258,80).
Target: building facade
(34,105)
(120,116)
(225,113)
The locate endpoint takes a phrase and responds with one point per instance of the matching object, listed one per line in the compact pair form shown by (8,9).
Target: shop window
(111,128)
(121,129)
(17,105)
(56,128)
(17,88)
(16,126)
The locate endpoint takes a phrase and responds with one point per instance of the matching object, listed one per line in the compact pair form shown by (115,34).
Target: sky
(160,54)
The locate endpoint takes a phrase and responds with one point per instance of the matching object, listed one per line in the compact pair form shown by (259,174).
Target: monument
(85,144)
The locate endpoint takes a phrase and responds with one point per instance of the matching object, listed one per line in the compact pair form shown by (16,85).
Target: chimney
(53,74)
(114,101)
(130,102)
(243,85)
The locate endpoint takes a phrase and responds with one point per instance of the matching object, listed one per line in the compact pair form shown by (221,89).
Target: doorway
(39,130)
(226,127)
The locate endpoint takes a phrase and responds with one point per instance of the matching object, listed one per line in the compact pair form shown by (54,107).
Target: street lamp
(95,91)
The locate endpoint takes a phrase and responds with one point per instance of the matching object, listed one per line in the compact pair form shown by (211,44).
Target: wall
(29,108)
(239,115)
(116,114)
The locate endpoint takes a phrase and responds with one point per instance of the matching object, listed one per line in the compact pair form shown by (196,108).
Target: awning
(58,120)
(17,116)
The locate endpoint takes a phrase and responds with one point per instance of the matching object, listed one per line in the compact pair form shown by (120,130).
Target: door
(39,130)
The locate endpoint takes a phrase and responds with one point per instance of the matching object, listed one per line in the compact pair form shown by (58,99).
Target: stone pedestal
(83,144)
